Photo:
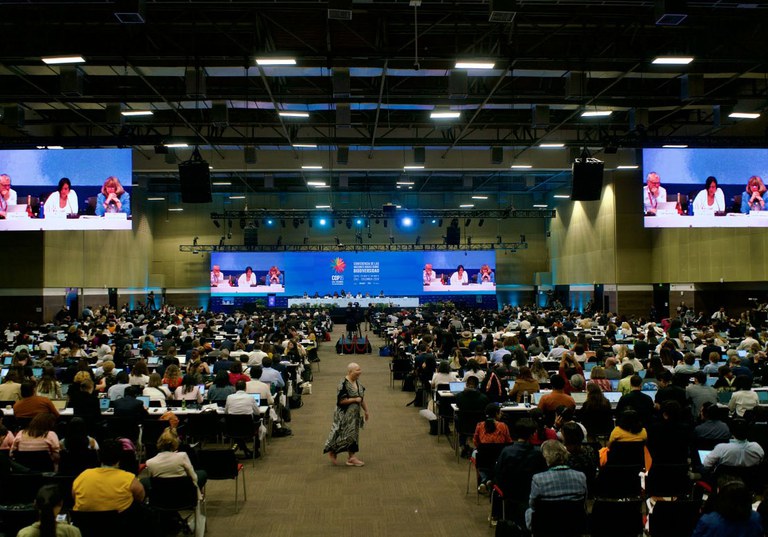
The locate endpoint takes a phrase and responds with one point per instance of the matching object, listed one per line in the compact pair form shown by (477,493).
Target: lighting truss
(260,214)
(506,246)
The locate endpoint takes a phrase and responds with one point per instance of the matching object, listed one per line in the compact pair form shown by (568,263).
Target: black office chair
(243,428)
(15,517)
(203,426)
(92,523)
(559,519)
(38,461)
(627,453)
(465,425)
(668,480)
(170,495)
(151,429)
(20,488)
(486,457)
(618,481)
(673,519)
(222,464)
(616,519)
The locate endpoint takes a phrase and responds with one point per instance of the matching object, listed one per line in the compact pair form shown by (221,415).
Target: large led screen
(705,187)
(66,189)
(359,273)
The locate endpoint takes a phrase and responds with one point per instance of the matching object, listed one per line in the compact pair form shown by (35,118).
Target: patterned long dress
(347,420)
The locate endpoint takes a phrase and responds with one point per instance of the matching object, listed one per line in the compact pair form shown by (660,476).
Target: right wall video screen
(705,187)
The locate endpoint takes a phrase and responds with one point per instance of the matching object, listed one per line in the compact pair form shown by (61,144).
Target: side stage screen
(364,273)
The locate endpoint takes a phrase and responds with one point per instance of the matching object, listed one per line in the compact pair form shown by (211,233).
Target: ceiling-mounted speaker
(343,181)
(169,156)
(342,155)
(638,119)
(195,181)
(539,115)
(343,116)
(341,82)
(219,114)
(249,154)
(71,78)
(458,84)
(497,155)
(251,236)
(13,115)
(113,113)
(691,86)
(130,11)
(670,12)
(419,155)
(340,10)
(587,179)
(503,11)
(194,79)
(575,85)
(269,181)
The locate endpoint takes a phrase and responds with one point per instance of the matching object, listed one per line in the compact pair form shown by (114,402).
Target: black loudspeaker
(251,236)
(452,235)
(419,155)
(342,155)
(497,155)
(389,210)
(587,180)
(195,180)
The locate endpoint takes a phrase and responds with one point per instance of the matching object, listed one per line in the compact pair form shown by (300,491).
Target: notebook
(456,387)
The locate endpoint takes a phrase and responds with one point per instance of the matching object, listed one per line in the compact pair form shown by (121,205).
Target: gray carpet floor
(410,485)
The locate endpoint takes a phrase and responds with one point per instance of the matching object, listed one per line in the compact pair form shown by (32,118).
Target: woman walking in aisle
(349,417)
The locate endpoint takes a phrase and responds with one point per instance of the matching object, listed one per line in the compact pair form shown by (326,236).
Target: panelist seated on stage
(485,275)
(710,200)
(113,198)
(460,277)
(217,277)
(247,279)
(274,277)
(429,275)
(63,201)
(755,197)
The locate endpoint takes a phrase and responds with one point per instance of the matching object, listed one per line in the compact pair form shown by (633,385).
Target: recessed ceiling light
(479,197)
(322,186)
(596,113)
(176,209)
(136,113)
(62,60)
(293,114)
(673,60)
(405,183)
(467,205)
(305,146)
(237,197)
(474,65)
(540,205)
(221,183)
(311,167)
(562,196)
(521,166)
(322,206)
(744,115)
(315,183)
(552,145)
(414,167)
(155,199)
(627,167)
(445,115)
(675,146)
(275,61)
(176,146)
(55,147)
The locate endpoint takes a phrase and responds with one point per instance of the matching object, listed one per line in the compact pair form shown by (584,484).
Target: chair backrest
(616,519)
(618,481)
(559,518)
(20,488)
(121,427)
(488,454)
(627,453)
(750,475)
(668,480)
(39,461)
(64,482)
(203,425)
(218,463)
(15,517)
(240,425)
(673,519)
(74,463)
(93,523)
(173,493)
(466,422)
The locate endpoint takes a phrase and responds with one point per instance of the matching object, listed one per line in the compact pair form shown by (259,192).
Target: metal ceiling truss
(199,248)
(290,214)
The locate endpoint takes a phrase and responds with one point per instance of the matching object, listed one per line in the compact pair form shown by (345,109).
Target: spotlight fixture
(440,223)
(469,243)
(216,223)
(221,241)
(391,239)
(378,221)
(467,222)
(522,238)
(229,235)
(349,223)
(229,223)
(418,240)
(480,222)
(338,242)
(498,239)
(194,241)
(295,223)
(242,223)
(279,240)
(385,222)
(306,240)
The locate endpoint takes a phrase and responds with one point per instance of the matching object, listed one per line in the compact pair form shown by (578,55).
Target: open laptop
(153,360)
(589,366)
(614,384)
(724,397)
(762,397)
(257,398)
(37,372)
(8,360)
(703,454)
(613,397)
(742,353)
(711,381)
(579,397)
(536,397)
(456,387)
(144,400)
(60,404)
(104,403)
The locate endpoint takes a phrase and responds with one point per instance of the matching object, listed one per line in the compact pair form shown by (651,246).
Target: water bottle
(526,400)
(183,404)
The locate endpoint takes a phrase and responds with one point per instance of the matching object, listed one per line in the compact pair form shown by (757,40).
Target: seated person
(429,275)
(459,277)
(485,275)
(170,462)
(710,200)
(113,198)
(247,279)
(63,201)
(739,452)
(755,196)
(48,504)
(274,277)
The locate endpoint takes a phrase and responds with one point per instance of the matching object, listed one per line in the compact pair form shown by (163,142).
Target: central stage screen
(364,273)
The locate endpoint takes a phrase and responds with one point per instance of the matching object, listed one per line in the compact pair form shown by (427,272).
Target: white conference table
(226,289)
(153,411)
(84,223)
(729,220)
(436,286)
(403,302)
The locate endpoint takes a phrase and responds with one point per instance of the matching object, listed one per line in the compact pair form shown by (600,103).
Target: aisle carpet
(411,485)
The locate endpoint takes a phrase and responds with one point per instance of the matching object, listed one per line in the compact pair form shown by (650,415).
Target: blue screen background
(693,166)
(84,167)
(394,273)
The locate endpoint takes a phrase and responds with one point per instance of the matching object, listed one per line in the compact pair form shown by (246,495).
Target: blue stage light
(407,221)
(322,221)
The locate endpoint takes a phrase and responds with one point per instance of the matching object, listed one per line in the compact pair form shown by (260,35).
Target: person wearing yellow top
(107,488)
(628,428)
